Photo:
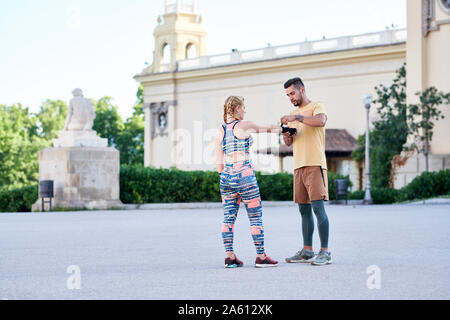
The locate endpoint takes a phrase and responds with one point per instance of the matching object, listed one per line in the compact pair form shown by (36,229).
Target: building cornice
(305,61)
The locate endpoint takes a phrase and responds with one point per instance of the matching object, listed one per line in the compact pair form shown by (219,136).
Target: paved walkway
(178,254)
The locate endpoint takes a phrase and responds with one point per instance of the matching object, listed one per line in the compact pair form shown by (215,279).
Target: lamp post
(367,196)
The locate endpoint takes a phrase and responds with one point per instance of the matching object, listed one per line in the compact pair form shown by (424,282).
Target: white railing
(298,49)
(181,6)
(165,67)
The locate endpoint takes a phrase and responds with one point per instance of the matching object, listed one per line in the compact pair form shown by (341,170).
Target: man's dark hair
(297,82)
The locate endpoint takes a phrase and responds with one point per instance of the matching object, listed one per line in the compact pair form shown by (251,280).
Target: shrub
(140,185)
(275,187)
(427,185)
(384,195)
(18,200)
(356,195)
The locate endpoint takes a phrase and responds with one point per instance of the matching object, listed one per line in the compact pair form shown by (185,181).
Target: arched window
(191,51)
(165,53)
(445,5)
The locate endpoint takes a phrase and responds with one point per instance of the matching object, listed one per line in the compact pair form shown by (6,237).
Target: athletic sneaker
(233,263)
(266,262)
(323,258)
(303,256)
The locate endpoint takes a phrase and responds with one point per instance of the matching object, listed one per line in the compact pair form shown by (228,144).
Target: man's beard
(298,102)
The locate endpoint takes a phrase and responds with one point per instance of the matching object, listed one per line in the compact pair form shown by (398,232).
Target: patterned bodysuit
(238,181)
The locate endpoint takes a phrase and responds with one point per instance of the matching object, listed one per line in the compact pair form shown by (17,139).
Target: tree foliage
(396,122)
(108,122)
(21,139)
(51,118)
(23,134)
(421,117)
(128,136)
(131,141)
(389,132)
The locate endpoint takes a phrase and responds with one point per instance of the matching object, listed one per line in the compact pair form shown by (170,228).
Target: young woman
(237,179)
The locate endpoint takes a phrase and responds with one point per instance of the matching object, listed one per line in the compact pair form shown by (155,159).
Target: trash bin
(340,188)
(46,191)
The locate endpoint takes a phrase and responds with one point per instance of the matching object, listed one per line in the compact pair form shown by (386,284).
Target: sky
(50,47)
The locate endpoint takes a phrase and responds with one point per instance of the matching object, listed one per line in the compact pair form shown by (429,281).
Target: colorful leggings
(238,181)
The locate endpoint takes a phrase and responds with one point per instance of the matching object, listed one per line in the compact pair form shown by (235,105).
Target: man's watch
(299,118)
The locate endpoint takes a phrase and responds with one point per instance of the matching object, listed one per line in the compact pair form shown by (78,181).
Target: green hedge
(18,200)
(427,185)
(356,195)
(384,195)
(140,185)
(275,187)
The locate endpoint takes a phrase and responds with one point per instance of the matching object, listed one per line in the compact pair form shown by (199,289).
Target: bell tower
(179,35)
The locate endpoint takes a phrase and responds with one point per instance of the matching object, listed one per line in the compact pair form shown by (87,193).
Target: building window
(165,53)
(191,51)
(445,4)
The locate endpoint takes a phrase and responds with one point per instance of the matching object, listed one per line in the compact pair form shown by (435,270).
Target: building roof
(338,142)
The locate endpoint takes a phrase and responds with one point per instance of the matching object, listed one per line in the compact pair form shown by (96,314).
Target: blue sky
(49,47)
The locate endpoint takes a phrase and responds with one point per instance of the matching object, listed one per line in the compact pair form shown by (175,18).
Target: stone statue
(84,170)
(78,131)
(81,113)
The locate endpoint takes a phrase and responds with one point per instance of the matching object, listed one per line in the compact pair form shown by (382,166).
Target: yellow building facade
(184,90)
(428,64)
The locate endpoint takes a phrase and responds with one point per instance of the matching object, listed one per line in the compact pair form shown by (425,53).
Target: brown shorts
(310,184)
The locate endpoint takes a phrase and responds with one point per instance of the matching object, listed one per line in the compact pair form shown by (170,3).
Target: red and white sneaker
(267,262)
(233,263)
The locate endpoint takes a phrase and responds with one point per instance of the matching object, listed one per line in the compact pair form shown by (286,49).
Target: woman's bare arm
(219,150)
(244,128)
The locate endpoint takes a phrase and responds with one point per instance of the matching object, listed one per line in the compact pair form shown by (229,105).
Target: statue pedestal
(84,177)
(80,138)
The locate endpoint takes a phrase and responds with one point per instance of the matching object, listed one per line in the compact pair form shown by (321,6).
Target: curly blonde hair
(230,106)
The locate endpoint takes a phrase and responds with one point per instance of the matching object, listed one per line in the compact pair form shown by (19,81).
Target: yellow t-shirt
(309,144)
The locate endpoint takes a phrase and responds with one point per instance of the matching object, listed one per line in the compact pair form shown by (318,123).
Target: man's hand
(288,139)
(292,118)
(286,119)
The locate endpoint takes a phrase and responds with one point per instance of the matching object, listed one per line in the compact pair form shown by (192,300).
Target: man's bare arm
(319,120)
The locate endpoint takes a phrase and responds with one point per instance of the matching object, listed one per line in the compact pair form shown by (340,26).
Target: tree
(128,137)
(19,146)
(421,117)
(390,130)
(24,134)
(131,140)
(51,117)
(108,122)
(397,121)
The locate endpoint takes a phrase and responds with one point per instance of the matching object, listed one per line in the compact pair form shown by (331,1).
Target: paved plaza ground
(178,254)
